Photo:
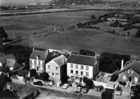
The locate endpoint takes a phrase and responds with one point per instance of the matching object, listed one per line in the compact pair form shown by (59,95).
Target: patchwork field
(57,30)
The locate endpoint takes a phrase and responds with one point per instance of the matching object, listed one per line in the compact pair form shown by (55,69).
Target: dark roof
(4,69)
(39,53)
(2,58)
(136,67)
(10,56)
(60,60)
(82,59)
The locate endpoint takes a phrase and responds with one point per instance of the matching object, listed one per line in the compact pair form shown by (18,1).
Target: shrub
(110,62)
(138,33)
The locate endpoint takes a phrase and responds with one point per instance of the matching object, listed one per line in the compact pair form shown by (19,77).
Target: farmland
(58,30)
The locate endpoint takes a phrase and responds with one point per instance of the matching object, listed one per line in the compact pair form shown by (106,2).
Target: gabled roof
(60,60)
(82,59)
(38,53)
(10,56)
(135,65)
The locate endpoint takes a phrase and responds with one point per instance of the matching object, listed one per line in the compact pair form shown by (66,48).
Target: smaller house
(135,77)
(82,66)
(3,33)
(130,76)
(37,59)
(2,62)
(2,59)
(129,73)
(10,60)
(56,69)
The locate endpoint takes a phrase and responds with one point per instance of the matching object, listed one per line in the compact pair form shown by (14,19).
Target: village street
(45,93)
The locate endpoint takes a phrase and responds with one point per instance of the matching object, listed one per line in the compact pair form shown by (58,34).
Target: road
(43,11)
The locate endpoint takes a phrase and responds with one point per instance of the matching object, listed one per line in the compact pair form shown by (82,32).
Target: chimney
(122,64)
(37,60)
(33,49)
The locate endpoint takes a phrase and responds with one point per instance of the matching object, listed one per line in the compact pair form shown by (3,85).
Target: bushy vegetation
(138,33)
(110,62)
(43,76)
(3,33)
(87,52)
(68,2)
(5,93)
(135,90)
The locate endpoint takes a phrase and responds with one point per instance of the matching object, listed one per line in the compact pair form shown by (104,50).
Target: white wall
(33,65)
(90,70)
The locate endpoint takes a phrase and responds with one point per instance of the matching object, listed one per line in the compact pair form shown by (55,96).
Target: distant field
(34,29)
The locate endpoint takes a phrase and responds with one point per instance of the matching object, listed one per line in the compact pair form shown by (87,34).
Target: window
(37,68)
(76,66)
(52,74)
(56,68)
(87,67)
(87,74)
(48,66)
(57,74)
(82,67)
(71,71)
(81,73)
(76,72)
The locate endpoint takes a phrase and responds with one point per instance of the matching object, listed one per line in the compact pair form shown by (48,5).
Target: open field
(41,31)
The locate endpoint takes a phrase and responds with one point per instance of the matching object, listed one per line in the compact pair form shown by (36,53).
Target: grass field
(34,29)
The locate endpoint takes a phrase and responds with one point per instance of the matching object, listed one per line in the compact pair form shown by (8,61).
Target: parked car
(49,83)
(38,83)
(65,86)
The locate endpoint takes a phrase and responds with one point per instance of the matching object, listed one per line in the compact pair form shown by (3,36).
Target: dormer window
(56,68)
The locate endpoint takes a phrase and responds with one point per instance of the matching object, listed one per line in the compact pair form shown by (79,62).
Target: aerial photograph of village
(69,49)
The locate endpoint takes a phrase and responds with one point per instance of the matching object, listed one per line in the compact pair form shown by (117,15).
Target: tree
(44,76)
(8,94)
(3,33)
(135,90)
(138,33)
(89,83)
(114,77)
(110,62)
(4,79)
(33,73)
(87,52)
(93,17)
